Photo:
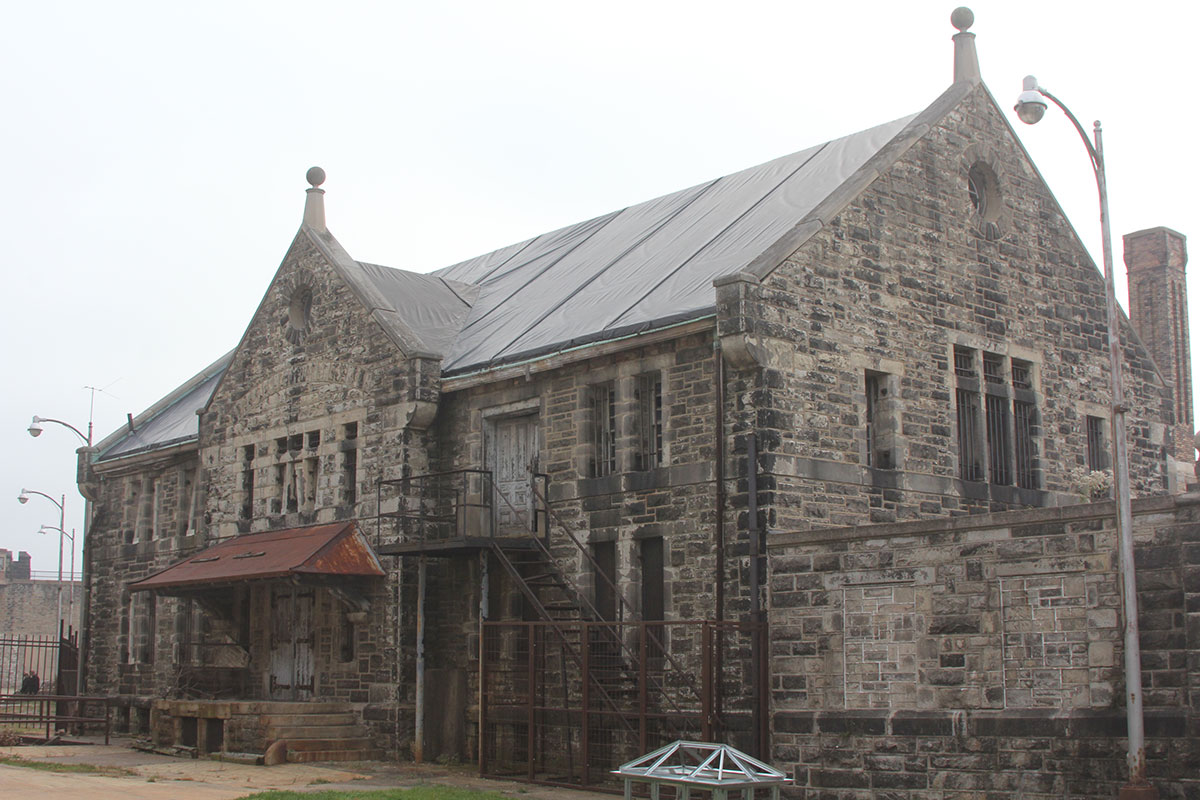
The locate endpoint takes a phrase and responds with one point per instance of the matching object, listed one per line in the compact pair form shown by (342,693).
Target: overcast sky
(156,151)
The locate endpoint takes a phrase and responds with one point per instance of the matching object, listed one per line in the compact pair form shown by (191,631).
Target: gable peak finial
(966,60)
(962,18)
(314,204)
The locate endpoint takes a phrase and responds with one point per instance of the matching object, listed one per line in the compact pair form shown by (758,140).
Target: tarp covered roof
(172,420)
(332,550)
(647,264)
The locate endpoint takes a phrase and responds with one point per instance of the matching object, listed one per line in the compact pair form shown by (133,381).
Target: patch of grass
(418,793)
(50,766)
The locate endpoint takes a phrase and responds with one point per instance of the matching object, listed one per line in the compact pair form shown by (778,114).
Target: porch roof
(337,550)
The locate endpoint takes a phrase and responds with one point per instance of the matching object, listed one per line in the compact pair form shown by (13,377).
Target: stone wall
(906,273)
(944,658)
(31,607)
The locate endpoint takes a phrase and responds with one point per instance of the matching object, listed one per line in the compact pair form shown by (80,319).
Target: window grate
(993,368)
(964,362)
(1021,372)
(999,442)
(1025,424)
(1097,450)
(970,467)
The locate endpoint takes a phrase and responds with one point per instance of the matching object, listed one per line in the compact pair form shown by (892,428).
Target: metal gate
(40,654)
(566,702)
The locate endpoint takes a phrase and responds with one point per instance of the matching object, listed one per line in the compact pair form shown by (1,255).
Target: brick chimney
(1155,259)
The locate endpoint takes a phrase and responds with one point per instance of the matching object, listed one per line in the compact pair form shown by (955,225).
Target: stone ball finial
(962,18)
(315,176)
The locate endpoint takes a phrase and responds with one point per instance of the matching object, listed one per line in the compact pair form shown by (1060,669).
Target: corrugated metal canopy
(650,263)
(329,550)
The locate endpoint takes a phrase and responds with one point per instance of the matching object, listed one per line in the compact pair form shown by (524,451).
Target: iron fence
(566,702)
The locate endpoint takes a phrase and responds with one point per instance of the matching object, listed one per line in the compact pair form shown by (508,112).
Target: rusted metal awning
(333,551)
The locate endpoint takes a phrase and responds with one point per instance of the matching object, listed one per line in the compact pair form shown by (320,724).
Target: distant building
(29,606)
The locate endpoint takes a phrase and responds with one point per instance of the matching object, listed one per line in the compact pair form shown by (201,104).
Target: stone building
(527,509)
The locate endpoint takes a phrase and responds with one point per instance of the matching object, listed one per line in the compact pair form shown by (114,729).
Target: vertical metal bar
(706,683)
(484,591)
(643,657)
(419,723)
(531,676)
(756,649)
(585,701)
(719,454)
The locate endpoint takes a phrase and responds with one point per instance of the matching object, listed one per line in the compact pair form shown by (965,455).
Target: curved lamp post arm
(42,494)
(36,430)
(1096,156)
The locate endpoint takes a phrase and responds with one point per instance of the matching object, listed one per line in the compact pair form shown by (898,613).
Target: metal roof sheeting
(651,262)
(172,420)
(334,550)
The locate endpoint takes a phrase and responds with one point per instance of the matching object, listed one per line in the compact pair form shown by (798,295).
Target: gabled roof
(337,550)
(646,265)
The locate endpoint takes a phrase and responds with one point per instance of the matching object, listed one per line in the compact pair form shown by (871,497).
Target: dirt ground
(149,776)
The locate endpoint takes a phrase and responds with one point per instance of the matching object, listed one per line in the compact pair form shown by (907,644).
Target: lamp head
(1030,106)
(35,428)
(22,498)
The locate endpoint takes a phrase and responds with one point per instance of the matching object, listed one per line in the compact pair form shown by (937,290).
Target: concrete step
(308,756)
(275,707)
(330,745)
(281,720)
(290,732)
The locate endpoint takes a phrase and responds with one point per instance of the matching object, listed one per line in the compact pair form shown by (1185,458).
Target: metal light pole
(23,498)
(1030,108)
(71,594)
(35,430)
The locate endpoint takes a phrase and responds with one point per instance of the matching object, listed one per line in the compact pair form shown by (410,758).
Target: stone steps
(306,756)
(302,731)
(322,719)
(319,732)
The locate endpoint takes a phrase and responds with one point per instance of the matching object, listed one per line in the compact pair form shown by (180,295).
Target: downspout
(719,544)
(419,732)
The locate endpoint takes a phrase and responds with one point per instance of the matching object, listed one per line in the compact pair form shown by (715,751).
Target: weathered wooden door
(291,671)
(512,458)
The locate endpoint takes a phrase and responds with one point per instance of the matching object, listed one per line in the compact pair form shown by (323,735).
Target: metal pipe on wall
(419,724)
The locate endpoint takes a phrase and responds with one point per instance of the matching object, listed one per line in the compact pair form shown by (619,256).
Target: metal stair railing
(623,605)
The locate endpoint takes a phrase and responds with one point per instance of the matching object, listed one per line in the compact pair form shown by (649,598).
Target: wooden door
(291,668)
(512,458)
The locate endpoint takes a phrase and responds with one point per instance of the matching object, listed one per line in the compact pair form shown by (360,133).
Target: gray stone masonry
(935,659)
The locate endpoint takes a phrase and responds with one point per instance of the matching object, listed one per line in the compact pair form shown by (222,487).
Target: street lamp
(23,498)
(35,428)
(1030,108)
(71,595)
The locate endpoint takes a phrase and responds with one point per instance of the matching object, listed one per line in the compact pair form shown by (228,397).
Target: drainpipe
(719,577)
(419,733)
(755,546)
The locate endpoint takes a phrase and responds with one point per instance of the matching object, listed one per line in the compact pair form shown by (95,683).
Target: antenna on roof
(314,204)
(966,60)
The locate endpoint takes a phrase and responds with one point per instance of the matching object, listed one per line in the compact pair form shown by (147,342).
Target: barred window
(602,401)
(970,463)
(648,408)
(1005,400)
(1097,446)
